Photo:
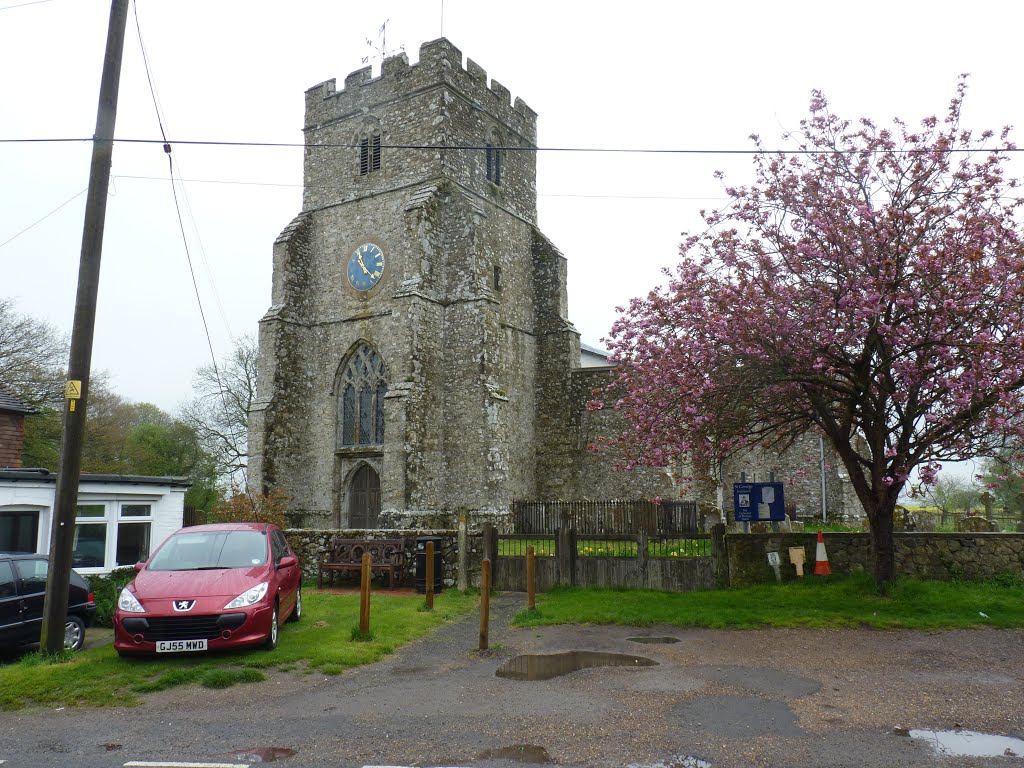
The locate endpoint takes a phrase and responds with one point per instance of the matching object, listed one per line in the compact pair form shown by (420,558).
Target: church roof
(594,350)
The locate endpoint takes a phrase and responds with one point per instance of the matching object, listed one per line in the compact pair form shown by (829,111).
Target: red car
(210,587)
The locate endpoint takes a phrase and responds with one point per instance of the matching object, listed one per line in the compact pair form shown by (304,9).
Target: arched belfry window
(369,153)
(495,158)
(369,141)
(362,384)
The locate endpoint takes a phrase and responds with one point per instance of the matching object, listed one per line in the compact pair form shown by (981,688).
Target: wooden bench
(347,555)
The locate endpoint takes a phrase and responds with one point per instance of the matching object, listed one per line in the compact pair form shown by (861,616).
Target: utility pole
(76,391)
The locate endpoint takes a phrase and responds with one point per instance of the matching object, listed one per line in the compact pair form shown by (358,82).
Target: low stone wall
(312,545)
(941,556)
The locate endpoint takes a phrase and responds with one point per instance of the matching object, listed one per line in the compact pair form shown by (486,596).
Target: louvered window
(361,399)
(369,154)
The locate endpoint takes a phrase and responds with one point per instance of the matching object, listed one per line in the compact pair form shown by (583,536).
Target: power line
(174,192)
(38,221)
(184,193)
(328,186)
(22,5)
(218,181)
(181,224)
(483,148)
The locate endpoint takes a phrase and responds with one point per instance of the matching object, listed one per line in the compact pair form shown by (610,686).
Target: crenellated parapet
(439,62)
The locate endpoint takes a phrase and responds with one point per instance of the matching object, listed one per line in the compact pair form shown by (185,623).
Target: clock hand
(362,266)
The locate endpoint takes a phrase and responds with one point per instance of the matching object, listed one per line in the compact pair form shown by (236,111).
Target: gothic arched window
(361,388)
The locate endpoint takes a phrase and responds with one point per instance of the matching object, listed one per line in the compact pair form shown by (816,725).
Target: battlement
(439,62)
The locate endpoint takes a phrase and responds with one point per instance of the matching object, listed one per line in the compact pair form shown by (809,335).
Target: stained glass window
(362,386)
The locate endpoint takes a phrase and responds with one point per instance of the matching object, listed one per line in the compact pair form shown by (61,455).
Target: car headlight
(249,597)
(126,602)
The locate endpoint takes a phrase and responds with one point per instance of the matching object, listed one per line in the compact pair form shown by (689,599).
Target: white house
(120,518)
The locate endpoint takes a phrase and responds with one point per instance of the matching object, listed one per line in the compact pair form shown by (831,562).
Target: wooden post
(364,597)
(490,542)
(463,575)
(430,575)
(720,555)
(642,554)
(485,601)
(531,577)
(565,553)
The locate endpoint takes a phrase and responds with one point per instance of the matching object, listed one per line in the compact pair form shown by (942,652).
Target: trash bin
(421,564)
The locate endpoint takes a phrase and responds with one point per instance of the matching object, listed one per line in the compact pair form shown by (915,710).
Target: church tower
(416,356)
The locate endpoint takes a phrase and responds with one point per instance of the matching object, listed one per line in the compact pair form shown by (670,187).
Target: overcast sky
(645,75)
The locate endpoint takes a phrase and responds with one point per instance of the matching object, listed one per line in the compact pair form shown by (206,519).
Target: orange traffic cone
(821,567)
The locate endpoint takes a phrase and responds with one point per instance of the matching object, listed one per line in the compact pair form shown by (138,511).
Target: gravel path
(727,698)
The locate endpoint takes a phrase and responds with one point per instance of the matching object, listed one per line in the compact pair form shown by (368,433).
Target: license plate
(180,646)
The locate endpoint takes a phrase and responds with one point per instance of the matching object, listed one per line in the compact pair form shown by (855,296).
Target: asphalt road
(719,698)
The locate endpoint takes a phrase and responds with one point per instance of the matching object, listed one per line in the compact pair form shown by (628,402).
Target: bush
(241,507)
(106,589)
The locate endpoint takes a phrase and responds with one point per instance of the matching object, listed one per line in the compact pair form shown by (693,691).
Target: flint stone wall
(799,469)
(941,556)
(312,547)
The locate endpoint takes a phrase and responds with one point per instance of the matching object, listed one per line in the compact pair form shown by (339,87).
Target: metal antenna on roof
(379,47)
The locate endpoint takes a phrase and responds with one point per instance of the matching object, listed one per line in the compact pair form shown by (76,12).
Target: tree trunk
(882,547)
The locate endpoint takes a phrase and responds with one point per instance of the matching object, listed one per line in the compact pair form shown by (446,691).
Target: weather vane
(379,47)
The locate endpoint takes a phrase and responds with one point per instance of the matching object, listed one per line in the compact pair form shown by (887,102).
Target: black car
(22,588)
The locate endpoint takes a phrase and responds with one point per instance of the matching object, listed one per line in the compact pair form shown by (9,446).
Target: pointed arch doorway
(364,498)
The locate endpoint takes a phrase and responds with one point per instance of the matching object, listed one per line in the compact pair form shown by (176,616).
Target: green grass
(322,641)
(517,547)
(831,602)
(585,547)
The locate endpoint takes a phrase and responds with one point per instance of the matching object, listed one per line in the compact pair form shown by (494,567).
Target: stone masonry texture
(942,556)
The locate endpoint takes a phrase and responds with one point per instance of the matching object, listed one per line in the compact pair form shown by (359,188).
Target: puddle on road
(546,666)
(679,761)
(960,743)
(522,753)
(259,754)
(654,640)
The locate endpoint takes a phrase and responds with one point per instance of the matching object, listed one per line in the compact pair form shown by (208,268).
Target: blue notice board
(754,502)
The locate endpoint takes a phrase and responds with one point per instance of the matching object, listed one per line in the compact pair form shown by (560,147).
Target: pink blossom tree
(869,285)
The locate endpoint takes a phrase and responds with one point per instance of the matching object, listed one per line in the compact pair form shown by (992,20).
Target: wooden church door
(364,498)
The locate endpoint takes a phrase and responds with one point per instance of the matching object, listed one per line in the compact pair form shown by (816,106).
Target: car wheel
(271,641)
(297,610)
(74,633)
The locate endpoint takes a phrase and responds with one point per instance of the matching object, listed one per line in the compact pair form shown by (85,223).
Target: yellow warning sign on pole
(72,389)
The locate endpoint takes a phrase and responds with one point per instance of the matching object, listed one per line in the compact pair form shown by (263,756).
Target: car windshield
(197,550)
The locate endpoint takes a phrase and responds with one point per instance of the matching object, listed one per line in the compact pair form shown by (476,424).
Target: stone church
(417,359)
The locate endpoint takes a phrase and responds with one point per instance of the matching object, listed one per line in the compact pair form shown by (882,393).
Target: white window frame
(113,517)
(146,520)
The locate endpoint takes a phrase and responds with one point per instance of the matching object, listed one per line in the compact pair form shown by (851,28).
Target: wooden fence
(629,560)
(664,518)
(192,516)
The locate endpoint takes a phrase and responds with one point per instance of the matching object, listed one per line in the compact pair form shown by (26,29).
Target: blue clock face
(365,267)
